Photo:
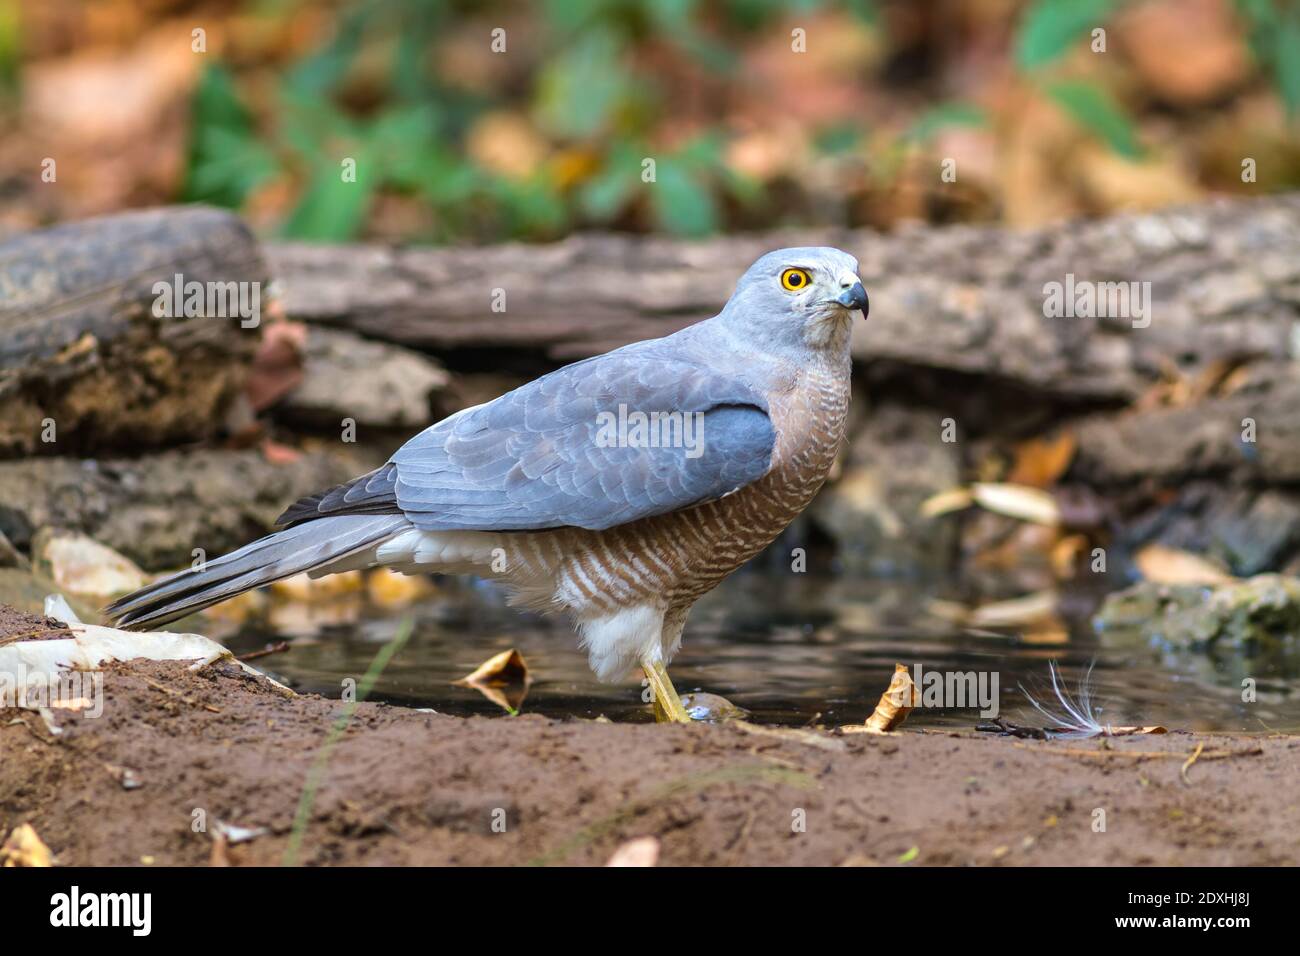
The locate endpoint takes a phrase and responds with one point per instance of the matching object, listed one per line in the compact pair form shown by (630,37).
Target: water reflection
(790,649)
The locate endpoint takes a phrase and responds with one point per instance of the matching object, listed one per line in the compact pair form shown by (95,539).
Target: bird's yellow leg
(668,706)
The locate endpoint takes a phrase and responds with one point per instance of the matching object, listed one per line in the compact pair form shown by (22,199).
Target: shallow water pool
(793,651)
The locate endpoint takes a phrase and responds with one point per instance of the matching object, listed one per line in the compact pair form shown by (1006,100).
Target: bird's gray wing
(533,458)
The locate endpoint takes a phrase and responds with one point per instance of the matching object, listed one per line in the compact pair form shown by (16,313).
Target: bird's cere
(855,297)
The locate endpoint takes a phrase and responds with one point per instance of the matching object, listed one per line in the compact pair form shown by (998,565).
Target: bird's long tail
(303,547)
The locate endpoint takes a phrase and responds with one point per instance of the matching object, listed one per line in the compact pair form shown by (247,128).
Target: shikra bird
(618,489)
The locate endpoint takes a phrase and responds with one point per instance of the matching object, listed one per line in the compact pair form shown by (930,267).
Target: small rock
(1263,611)
(643,851)
(873,512)
(374,383)
(234,834)
(9,556)
(711,708)
(78,563)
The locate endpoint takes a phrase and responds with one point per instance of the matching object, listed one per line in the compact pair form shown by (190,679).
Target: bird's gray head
(794,299)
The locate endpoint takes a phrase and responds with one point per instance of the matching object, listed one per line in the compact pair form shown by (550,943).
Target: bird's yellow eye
(794,280)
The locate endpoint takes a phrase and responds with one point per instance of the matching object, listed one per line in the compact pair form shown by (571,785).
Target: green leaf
(311,125)
(865,10)
(228,167)
(838,138)
(330,209)
(670,15)
(10,44)
(226,160)
(1095,110)
(606,194)
(701,152)
(578,91)
(682,203)
(216,103)
(1049,27)
(910,855)
(1287,64)
(323,70)
(532,206)
(942,117)
(710,53)
(570,15)
(446,180)
(398,137)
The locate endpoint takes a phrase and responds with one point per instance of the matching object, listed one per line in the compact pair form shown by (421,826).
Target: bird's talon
(667,705)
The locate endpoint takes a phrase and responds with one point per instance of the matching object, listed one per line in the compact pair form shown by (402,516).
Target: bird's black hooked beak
(855,297)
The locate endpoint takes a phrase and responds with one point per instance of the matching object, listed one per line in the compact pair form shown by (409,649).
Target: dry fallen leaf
(643,851)
(277,366)
(239,608)
(279,454)
(387,588)
(72,703)
(507,144)
(1112,182)
(1012,500)
(1049,631)
(1162,565)
(304,588)
(946,502)
(24,848)
(1014,612)
(895,703)
(1017,501)
(502,679)
(1040,462)
(1035,612)
(1065,555)
(1026,546)
(1134,731)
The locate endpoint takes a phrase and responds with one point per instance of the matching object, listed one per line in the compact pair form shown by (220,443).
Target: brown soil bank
(175,752)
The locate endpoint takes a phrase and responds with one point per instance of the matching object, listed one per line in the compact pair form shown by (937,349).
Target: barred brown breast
(673,559)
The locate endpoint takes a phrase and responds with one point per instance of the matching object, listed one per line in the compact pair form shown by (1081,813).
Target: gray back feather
(531,459)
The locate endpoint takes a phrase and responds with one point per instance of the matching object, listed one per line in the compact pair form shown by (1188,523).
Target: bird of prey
(618,489)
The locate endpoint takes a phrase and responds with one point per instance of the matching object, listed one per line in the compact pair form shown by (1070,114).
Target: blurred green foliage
(1275,41)
(1050,28)
(586,93)
(1095,109)
(595,102)
(10,45)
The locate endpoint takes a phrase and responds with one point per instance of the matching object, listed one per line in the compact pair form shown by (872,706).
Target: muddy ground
(407,787)
(16,625)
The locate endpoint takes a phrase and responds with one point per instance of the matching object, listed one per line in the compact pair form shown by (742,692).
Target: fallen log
(96,349)
(1224,282)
